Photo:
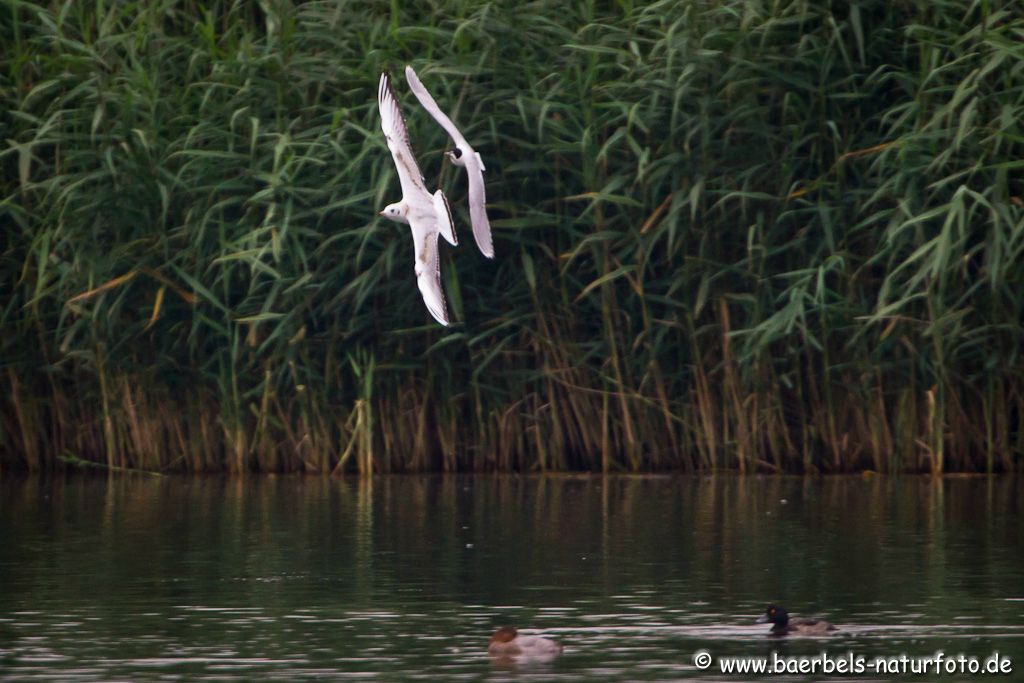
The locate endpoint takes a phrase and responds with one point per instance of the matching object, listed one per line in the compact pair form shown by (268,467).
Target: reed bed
(764,236)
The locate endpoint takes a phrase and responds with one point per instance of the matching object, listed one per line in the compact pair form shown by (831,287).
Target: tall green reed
(762,236)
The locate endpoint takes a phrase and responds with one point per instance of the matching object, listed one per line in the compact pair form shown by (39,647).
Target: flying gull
(426,214)
(465,156)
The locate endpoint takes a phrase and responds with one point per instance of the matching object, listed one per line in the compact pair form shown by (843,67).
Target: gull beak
(380,213)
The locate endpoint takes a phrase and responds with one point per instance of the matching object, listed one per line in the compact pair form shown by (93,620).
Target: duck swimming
(784,626)
(506,642)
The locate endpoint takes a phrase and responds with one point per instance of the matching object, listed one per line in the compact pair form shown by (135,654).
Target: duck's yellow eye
(772,611)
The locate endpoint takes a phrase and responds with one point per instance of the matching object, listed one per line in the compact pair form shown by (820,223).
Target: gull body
(427,215)
(465,156)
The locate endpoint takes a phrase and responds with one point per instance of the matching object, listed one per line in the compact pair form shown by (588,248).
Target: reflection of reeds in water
(495,540)
(764,237)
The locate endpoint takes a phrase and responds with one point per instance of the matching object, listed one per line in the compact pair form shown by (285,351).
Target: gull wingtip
(412,78)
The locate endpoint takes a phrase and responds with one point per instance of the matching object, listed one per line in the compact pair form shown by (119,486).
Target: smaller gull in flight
(465,156)
(426,214)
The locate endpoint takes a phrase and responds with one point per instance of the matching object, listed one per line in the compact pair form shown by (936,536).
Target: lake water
(404,578)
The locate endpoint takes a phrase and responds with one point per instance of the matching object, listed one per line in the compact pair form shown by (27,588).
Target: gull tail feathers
(445,223)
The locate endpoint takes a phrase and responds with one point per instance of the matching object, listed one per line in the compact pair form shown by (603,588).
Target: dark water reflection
(405,577)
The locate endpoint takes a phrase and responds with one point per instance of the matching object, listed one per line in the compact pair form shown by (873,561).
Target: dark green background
(730,234)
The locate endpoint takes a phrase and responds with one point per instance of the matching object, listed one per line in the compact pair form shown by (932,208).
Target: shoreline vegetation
(733,235)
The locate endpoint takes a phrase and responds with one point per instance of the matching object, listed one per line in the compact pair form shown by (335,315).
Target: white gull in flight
(427,214)
(465,156)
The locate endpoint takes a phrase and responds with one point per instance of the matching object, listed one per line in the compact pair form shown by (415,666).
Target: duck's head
(396,212)
(505,634)
(774,614)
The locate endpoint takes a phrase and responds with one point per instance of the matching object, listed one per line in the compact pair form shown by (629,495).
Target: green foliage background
(763,235)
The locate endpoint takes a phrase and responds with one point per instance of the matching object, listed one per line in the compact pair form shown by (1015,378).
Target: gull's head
(456,156)
(395,212)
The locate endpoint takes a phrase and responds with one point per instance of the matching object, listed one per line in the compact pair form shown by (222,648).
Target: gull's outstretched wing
(425,98)
(393,124)
(477,206)
(428,272)
(470,159)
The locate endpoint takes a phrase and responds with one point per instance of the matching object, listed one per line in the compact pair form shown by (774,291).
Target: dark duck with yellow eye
(782,625)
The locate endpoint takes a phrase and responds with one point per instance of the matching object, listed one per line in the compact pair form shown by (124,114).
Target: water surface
(404,578)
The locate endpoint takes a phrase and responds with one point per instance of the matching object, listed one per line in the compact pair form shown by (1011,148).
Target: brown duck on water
(506,642)
(782,625)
